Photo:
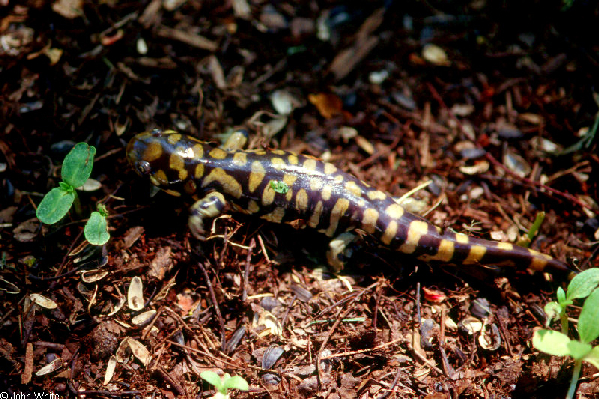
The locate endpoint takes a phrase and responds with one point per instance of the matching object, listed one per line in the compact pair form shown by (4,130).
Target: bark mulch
(493,103)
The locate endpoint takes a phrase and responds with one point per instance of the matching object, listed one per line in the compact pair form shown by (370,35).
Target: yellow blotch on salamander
(258,151)
(159,178)
(376,195)
(506,246)
(329,168)
(416,229)
(475,254)
(326,192)
(268,195)
(240,158)
(461,238)
(293,159)
(257,174)
(289,180)
(198,171)
(353,188)
(277,163)
(310,164)
(315,184)
(336,214)
(198,151)
(315,218)
(253,206)
(185,152)
(229,184)
(369,220)
(301,200)
(152,152)
(539,261)
(444,253)
(173,138)
(176,162)
(217,153)
(395,211)
(289,195)
(390,232)
(276,215)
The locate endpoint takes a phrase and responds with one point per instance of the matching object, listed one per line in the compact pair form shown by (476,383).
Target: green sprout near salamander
(76,170)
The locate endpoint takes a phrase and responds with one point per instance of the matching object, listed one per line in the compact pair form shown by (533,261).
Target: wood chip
(189,38)
(347,60)
(143,318)
(43,301)
(161,264)
(110,368)
(135,297)
(140,351)
(131,236)
(50,367)
(218,75)
(68,8)
(28,370)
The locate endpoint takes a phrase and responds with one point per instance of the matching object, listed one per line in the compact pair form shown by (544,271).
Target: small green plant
(76,169)
(223,385)
(587,138)
(279,186)
(532,232)
(556,343)
(567,4)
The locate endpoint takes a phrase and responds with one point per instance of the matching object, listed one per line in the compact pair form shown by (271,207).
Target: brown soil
(491,102)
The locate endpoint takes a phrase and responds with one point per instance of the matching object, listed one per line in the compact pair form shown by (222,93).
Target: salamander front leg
(339,251)
(209,207)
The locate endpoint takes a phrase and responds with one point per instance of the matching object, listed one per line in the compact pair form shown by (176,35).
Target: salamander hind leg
(209,207)
(339,250)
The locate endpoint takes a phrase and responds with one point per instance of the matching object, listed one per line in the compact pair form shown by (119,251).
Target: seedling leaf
(551,342)
(588,321)
(561,295)
(77,165)
(578,349)
(236,382)
(66,187)
(213,379)
(102,209)
(553,310)
(535,227)
(55,205)
(593,357)
(583,284)
(95,229)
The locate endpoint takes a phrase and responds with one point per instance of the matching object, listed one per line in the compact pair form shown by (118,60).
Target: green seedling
(223,385)
(557,343)
(279,186)
(76,169)
(588,138)
(532,232)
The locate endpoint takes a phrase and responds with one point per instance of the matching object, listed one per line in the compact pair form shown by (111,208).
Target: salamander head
(150,155)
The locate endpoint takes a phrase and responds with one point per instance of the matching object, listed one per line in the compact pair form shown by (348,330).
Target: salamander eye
(143,167)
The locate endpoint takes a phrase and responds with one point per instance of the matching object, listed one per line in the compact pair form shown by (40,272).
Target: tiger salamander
(284,187)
